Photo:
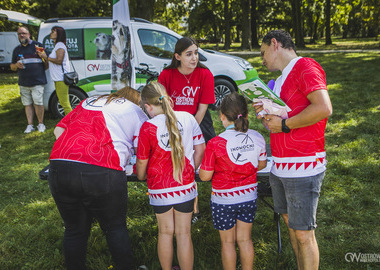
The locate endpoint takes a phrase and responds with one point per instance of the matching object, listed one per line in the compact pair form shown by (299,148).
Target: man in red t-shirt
(299,157)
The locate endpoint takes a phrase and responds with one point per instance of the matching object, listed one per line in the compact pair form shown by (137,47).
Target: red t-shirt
(100,134)
(187,95)
(301,152)
(234,158)
(154,145)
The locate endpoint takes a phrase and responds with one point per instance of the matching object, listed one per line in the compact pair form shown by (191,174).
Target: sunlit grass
(31,229)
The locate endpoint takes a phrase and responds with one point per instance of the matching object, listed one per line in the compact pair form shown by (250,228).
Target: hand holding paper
(261,94)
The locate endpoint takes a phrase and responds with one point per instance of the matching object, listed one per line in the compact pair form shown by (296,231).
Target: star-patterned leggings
(224,216)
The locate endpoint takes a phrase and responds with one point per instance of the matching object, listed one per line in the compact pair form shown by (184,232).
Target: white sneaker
(29,128)
(41,127)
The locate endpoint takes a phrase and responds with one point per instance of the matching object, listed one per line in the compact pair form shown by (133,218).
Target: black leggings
(207,127)
(83,192)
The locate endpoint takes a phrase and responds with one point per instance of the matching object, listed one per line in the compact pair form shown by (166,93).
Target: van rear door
(8,41)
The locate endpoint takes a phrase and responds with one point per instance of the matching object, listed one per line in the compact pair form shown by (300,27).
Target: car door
(154,48)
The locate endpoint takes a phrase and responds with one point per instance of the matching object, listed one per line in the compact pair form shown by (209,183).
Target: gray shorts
(297,197)
(32,95)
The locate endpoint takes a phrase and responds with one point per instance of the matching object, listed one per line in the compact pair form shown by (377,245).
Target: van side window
(156,43)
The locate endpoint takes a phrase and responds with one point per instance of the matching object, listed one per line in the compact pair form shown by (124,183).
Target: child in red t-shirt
(170,148)
(232,160)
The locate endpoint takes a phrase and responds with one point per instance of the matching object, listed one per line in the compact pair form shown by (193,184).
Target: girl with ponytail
(232,160)
(170,149)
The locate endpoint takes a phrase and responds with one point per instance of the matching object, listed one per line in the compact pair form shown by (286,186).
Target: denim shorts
(224,216)
(297,197)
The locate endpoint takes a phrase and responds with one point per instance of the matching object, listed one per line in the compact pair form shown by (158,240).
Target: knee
(244,241)
(166,230)
(304,237)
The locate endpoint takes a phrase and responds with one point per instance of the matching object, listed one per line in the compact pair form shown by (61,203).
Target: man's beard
(24,41)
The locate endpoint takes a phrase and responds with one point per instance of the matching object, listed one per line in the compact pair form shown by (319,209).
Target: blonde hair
(155,94)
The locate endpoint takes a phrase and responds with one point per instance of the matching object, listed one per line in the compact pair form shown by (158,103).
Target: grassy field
(337,44)
(31,229)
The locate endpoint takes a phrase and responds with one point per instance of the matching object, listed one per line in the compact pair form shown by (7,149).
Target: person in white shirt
(59,64)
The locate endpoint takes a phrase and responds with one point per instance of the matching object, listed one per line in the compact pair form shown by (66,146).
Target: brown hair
(61,34)
(282,37)
(235,108)
(126,92)
(155,94)
(181,45)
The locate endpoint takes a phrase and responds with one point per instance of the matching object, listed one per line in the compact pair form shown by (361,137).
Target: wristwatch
(284,127)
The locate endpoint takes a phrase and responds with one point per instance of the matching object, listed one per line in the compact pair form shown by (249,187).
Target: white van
(8,41)
(88,47)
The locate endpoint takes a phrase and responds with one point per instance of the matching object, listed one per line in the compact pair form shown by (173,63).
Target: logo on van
(98,67)
(71,44)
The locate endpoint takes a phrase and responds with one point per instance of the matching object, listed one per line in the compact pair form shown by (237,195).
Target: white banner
(123,72)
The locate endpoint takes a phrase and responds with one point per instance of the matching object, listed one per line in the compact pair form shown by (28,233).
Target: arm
(58,132)
(198,154)
(202,108)
(320,107)
(262,164)
(141,167)
(46,64)
(205,175)
(60,55)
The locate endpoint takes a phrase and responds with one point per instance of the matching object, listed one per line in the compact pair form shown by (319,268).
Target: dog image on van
(103,44)
(121,55)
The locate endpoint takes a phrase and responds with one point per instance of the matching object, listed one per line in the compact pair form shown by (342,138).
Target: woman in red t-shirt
(190,84)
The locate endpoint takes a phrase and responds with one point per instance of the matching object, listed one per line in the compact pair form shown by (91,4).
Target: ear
(222,117)
(148,107)
(177,56)
(275,43)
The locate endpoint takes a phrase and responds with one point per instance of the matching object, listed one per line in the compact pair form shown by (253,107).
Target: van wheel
(75,97)
(222,89)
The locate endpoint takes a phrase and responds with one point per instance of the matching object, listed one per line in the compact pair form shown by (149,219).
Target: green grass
(337,44)
(31,229)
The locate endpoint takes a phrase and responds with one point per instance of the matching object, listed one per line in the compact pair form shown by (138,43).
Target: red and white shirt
(301,152)
(190,90)
(154,145)
(234,158)
(100,134)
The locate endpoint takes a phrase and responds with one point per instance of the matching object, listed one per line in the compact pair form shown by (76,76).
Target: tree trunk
(227,25)
(254,15)
(246,26)
(297,23)
(142,9)
(327,22)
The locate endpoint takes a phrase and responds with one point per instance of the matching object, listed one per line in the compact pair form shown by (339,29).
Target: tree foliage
(244,21)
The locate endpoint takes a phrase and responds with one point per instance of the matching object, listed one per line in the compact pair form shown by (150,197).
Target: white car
(153,45)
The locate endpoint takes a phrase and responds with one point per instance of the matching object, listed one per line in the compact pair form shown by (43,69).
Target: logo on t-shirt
(240,148)
(187,97)
(163,136)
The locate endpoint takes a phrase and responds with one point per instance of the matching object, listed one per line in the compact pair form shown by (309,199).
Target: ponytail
(235,108)
(155,94)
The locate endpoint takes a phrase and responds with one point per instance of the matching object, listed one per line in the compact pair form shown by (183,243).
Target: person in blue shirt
(31,70)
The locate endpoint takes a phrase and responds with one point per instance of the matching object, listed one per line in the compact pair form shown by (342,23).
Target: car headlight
(244,64)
